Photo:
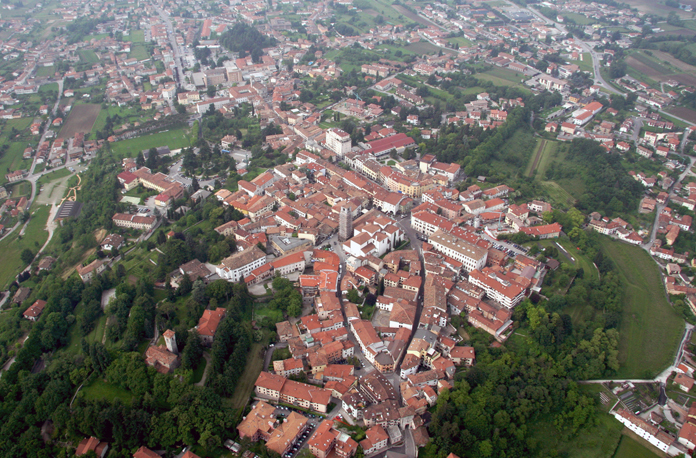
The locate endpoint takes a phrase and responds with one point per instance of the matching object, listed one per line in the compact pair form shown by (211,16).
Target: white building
(240,265)
(471,256)
(338,141)
(652,434)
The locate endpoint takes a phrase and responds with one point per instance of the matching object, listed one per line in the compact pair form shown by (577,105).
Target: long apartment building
(141,223)
(280,389)
(471,256)
(427,223)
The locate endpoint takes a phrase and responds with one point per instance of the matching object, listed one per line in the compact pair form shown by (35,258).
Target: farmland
(650,328)
(81,119)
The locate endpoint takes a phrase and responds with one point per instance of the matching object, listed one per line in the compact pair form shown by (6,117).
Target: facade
(338,141)
(279,389)
(500,290)
(471,256)
(141,223)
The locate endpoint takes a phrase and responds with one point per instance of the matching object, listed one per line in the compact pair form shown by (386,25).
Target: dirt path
(208,361)
(537,158)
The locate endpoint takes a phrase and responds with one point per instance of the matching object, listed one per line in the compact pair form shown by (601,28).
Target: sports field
(650,329)
(80,119)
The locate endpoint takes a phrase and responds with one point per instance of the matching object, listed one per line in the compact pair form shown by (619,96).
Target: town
(347,228)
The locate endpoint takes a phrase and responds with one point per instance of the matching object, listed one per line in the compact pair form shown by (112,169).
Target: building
(338,141)
(345,224)
(287,433)
(163,360)
(111,242)
(240,265)
(208,324)
(91,270)
(34,311)
(471,256)
(144,452)
(326,439)
(499,289)
(141,223)
(259,423)
(92,444)
(279,389)
(376,438)
(652,434)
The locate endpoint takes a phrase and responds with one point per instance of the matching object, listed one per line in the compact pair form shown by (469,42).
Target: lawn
(502,77)
(97,333)
(11,246)
(51,176)
(199,371)
(246,382)
(631,448)
(558,195)
(174,139)
(12,160)
(585,64)
(100,389)
(650,328)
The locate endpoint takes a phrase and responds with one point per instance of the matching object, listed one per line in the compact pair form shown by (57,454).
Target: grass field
(100,389)
(246,382)
(139,52)
(630,448)
(46,71)
(11,246)
(175,139)
(650,328)
(503,77)
(599,441)
(557,194)
(585,64)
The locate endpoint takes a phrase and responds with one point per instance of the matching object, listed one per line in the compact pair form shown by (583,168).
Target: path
(46,130)
(208,364)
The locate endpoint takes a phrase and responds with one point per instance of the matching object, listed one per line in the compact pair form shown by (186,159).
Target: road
(48,125)
(175,48)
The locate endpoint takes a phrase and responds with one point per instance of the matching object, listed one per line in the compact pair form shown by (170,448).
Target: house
(376,438)
(91,270)
(161,359)
(144,452)
(34,311)
(112,242)
(684,381)
(208,324)
(92,444)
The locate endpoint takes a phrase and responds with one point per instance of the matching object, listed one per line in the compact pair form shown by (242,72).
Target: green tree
(193,351)
(26,256)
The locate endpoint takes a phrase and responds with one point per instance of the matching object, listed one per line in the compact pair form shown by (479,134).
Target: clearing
(650,328)
(81,119)
(12,245)
(99,389)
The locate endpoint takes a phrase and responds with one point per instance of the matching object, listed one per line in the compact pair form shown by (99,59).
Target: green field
(585,64)
(136,36)
(12,160)
(100,389)
(88,55)
(55,175)
(199,371)
(504,77)
(463,42)
(650,328)
(631,448)
(11,246)
(175,139)
(139,52)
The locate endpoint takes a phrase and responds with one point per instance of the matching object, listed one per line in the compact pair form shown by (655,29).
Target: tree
(354,296)
(193,351)
(194,185)
(26,256)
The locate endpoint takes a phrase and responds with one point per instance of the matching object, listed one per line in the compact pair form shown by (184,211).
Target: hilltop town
(350,228)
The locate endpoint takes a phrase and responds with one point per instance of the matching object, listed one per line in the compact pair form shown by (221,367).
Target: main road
(172,41)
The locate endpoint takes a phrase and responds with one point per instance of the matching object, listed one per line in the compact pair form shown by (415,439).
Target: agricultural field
(650,328)
(659,66)
(81,119)
(504,77)
(545,150)
(424,47)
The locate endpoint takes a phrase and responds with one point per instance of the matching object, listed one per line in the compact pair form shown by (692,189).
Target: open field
(136,36)
(423,47)
(503,77)
(12,245)
(414,17)
(557,194)
(585,64)
(174,139)
(630,448)
(139,51)
(45,71)
(245,384)
(650,328)
(88,55)
(81,119)
(653,7)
